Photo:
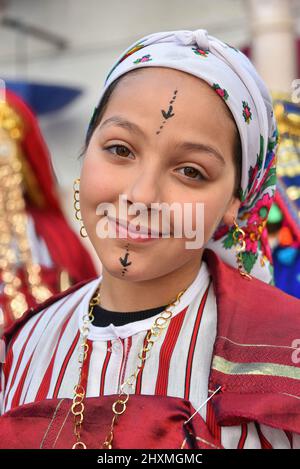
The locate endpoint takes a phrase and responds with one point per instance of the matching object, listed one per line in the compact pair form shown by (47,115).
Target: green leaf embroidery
(228,242)
(271,179)
(271,269)
(260,157)
(249,259)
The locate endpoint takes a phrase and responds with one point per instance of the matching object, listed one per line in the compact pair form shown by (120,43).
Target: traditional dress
(225,332)
(225,371)
(39,253)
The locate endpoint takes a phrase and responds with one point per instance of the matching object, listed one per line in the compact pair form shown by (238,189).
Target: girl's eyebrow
(124,123)
(185,146)
(201,147)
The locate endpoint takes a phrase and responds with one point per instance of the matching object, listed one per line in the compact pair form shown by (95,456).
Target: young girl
(172,346)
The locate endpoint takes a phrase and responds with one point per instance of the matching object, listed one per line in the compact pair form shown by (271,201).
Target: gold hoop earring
(240,246)
(83,232)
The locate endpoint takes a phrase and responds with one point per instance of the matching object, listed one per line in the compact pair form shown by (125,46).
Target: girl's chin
(129,274)
(135,272)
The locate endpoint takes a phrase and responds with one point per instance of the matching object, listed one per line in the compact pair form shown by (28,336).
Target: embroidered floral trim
(145,58)
(201,52)
(135,48)
(220,91)
(247,114)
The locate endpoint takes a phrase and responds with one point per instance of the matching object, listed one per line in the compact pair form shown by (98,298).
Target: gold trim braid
(265,369)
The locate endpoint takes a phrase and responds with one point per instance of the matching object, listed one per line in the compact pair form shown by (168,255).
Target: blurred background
(55,54)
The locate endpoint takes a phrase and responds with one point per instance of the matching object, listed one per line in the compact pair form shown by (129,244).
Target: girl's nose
(144,188)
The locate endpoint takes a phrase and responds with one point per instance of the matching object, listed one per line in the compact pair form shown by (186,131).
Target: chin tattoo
(124,260)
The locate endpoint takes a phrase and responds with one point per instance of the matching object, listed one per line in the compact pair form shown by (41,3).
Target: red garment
(253,312)
(252,361)
(139,427)
(35,151)
(65,248)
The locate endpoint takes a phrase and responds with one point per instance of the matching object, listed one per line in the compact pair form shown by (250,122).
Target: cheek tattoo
(169,113)
(124,261)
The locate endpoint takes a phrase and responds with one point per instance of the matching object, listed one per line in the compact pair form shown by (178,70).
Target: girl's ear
(231,212)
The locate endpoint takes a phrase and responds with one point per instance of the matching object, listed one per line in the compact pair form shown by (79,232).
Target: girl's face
(151,159)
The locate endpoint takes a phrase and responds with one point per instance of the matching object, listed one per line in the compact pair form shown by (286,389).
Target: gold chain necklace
(120,404)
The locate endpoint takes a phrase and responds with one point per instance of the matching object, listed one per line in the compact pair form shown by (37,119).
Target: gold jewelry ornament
(240,246)
(120,404)
(14,243)
(78,217)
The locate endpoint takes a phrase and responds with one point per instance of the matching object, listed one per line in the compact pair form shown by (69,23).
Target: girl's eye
(192,173)
(121,150)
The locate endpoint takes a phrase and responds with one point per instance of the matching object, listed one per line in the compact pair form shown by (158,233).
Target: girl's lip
(127,233)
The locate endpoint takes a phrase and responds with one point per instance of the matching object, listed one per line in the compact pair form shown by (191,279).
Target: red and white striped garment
(42,361)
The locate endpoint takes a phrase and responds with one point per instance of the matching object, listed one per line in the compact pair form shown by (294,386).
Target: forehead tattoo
(167,114)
